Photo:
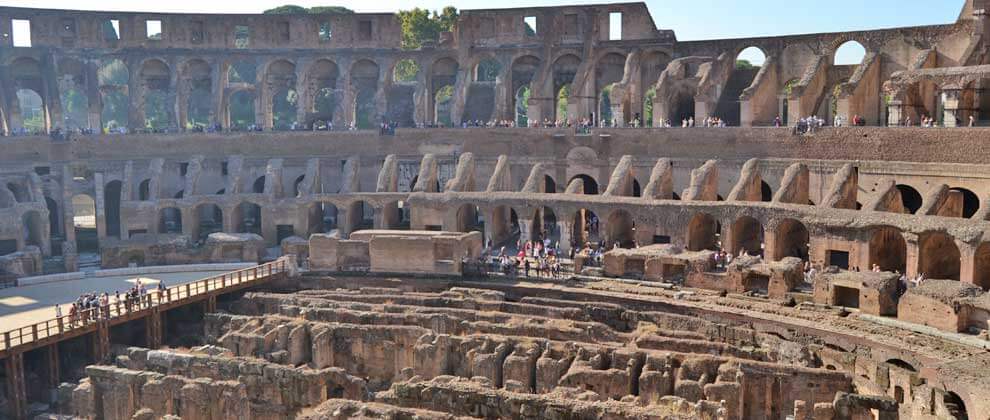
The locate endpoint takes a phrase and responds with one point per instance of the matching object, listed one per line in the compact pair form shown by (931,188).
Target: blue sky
(691,20)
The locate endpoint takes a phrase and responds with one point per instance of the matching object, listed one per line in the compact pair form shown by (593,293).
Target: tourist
(58,311)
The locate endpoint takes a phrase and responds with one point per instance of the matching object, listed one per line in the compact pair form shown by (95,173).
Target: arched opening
(170,220)
(361,216)
(970,202)
(115,113)
(329,217)
(281,79)
(545,226)
(443,78)
(902,364)
(323,81)
(84,223)
(766,193)
(523,70)
(590,185)
(209,219)
(241,110)
(111,203)
(198,101)
(480,102)
(636,190)
(703,233)
(258,187)
(585,228)
(54,226)
(888,249)
(32,110)
(295,185)
(981,266)
(469,219)
(792,240)
(248,218)
(910,197)
(564,71)
(549,185)
(748,64)
(442,102)
(364,82)
(144,190)
(156,82)
(609,70)
(284,105)
(850,53)
(938,257)
(621,229)
(955,406)
(747,235)
(652,66)
(34,229)
(401,93)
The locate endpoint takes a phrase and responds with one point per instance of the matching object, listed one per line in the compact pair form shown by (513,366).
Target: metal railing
(117,308)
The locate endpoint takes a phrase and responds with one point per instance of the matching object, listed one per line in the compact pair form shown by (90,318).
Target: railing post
(188,294)
(34,332)
(6,340)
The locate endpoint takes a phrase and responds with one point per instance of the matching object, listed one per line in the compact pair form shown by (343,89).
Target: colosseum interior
(860,255)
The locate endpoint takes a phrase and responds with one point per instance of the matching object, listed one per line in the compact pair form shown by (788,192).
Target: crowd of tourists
(91,307)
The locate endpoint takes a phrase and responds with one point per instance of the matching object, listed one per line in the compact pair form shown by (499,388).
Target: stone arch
(563,72)
(703,233)
(364,82)
(585,228)
(970,201)
(849,52)
(888,249)
(443,78)
(360,216)
(981,266)
(652,65)
(938,256)
(54,223)
(198,79)
(329,217)
(209,219)
(258,187)
(545,225)
(248,218)
(401,96)
(755,55)
(170,220)
(111,203)
(112,72)
(34,229)
(590,185)
(621,229)
(792,240)
(954,405)
(144,190)
(523,70)
(549,185)
(609,69)
(505,227)
(323,75)
(72,88)
(480,102)
(31,109)
(766,192)
(910,198)
(748,235)
(469,218)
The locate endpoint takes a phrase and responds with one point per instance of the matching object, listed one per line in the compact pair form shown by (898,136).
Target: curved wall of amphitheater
(160,167)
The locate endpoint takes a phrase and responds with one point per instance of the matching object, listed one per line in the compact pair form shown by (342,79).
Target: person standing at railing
(58,311)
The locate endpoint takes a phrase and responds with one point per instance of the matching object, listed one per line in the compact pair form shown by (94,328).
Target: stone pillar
(950,106)
(895,113)
(135,95)
(305,96)
(565,228)
(967,263)
(52,367)
(6,90)
(525,230)
(155,333)
(16,388)
(190,221)
(101,209)
(913,254)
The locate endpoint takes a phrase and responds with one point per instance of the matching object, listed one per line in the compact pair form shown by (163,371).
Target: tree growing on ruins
(291,9)
(745,65)
(420,26)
